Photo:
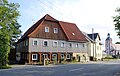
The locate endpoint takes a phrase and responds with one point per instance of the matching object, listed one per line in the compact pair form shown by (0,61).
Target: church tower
(108,44)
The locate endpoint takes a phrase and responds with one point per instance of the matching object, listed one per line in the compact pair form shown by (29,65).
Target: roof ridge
(67,22)
(48,17)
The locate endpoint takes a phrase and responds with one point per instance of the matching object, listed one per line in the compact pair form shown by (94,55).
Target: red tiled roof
(48,17)
(72,32)
(70,29)
(32,28)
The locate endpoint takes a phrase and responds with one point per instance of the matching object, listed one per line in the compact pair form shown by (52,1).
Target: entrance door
(44,56)
(78,58)
(54,57)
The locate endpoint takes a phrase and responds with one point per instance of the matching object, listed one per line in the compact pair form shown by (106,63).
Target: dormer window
(55,30)
(73,33)
(46,29)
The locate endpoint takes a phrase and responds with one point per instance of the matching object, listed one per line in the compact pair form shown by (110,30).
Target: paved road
(89,69)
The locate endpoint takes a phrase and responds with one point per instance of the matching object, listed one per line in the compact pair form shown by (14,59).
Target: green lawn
(5,67)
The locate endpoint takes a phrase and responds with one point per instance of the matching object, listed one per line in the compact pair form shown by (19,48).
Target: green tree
(116,21)
(9,28)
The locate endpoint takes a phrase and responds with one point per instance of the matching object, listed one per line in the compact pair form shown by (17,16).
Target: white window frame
(47,43)
(35,58)
(34,41)
(62,56)
(45,56)
(77,45)
(70,44)
(62,45)
(46,29)
(83,45)
(55,30)
(53,56)
(67,56)
(55,43)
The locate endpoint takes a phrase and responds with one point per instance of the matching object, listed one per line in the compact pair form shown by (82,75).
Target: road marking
(76,69)
(87,74)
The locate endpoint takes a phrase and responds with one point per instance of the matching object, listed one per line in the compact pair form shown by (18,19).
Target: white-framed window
(68,56)
(34,56)
(77,45)
(45,56)
(55,43)
(46,29)
(62,56)
(70,45)
(45,43)
(35,42)
(83,45)
(54,56)
(55,30)
(62,44)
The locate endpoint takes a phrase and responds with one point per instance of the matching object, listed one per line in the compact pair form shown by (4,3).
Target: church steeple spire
(108,35)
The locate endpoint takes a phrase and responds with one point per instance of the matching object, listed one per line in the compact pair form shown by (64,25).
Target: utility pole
(93,42)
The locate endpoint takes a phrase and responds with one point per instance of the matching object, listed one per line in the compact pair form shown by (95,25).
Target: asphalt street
(111,68)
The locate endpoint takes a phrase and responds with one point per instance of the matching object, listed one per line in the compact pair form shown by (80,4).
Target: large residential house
(52,39)
(94,46)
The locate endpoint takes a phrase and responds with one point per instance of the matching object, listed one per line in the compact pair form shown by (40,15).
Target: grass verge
(5,67)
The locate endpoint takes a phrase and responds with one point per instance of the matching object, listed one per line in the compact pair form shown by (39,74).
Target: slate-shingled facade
(50,38)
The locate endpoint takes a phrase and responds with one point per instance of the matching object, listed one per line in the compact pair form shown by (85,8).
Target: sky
(86,14)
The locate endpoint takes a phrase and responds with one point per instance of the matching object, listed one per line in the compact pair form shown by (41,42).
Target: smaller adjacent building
(115,49)
(94,46)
